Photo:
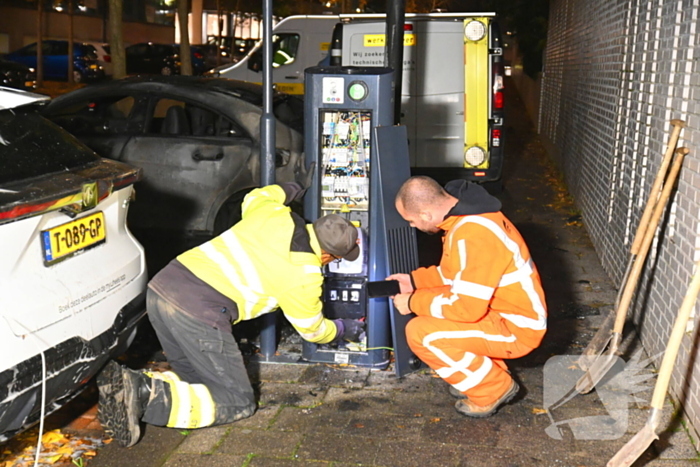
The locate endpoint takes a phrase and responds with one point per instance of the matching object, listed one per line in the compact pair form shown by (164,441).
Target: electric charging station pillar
(348,110)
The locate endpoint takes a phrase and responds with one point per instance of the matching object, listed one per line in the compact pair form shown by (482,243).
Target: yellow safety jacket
(269,259)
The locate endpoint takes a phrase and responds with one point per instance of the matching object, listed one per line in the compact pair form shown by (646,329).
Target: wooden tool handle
(678,125)
(631,283)
(674,342)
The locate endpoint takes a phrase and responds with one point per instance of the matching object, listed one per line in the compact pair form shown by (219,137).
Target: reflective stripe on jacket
(485,268)
(254,264)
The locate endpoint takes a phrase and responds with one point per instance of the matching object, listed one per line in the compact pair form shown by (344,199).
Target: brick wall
(616,72)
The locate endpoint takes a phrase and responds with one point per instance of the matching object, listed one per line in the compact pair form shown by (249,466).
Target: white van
(298,43)
(452,82)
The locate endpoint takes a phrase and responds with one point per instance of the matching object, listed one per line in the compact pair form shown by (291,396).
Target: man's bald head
(423,203)
(419,193)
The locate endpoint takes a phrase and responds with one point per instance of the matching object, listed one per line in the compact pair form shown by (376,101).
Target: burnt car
(72,276)
(196,139)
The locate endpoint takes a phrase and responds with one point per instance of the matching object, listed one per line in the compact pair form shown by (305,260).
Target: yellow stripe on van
(476,92)
(289,88)
(377,40)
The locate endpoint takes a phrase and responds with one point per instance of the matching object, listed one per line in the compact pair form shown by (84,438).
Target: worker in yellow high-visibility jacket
(270,259)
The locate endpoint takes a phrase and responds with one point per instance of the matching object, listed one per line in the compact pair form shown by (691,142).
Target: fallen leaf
(435,420)
(537,411)
(359,425)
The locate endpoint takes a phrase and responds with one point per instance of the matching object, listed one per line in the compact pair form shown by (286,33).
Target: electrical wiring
(345,161)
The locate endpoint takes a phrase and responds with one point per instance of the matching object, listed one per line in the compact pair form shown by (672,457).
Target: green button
(357,91)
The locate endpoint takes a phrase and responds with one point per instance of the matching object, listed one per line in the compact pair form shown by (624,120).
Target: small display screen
(383,289)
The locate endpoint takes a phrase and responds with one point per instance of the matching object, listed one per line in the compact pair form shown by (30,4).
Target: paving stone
(464,431)
(203,440)
(262,461)
(261,419)
(261,442)
(325,376)
(295,395)
(209,460)
(474,457)
(417,454)
(383,426)
(675,445)
(143,453)
(277,373)
(412,383)
(309,420)
(330,447)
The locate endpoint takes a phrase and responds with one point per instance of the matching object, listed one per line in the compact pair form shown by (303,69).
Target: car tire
(229,213)
(166,71)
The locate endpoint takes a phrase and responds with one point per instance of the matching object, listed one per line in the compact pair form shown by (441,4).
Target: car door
(138,58)
(190,156)
(56,60)
(103,123)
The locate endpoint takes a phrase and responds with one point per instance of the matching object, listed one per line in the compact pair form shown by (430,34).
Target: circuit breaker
(344,108)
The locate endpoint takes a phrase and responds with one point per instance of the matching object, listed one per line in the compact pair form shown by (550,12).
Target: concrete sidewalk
(318,415)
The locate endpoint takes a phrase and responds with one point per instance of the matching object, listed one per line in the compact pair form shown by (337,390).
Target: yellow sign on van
(325,46)
(377,40)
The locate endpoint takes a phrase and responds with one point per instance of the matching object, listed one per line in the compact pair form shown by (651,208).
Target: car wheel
(77,76)
(229,213)
(166,71)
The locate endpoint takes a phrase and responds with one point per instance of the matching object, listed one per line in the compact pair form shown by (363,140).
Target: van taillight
(108,58)
(498,100)
(496,136)
(198,55)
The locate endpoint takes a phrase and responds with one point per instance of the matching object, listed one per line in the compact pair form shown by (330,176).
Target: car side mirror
(255,61)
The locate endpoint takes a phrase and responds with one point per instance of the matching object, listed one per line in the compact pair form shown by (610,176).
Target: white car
(104,59)
(72,276)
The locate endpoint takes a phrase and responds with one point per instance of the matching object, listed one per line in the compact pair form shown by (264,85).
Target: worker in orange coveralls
(484,303)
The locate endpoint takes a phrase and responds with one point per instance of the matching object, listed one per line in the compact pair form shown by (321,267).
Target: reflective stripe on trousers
(469,356)
(208,385)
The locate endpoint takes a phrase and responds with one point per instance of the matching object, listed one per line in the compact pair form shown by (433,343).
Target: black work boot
(124,395)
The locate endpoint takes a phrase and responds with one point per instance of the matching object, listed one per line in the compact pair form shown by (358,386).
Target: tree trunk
(70,42)
(219,41)
(116,40)
(185,51)
(39,47)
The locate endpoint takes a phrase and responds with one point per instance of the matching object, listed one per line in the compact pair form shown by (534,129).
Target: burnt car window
(31,146)
(175,117)
(110,115)
(290,111)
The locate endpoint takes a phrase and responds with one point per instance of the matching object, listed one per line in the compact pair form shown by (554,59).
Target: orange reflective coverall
(484,303)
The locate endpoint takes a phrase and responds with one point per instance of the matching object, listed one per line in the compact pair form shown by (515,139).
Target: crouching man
(482,305)
(270,259)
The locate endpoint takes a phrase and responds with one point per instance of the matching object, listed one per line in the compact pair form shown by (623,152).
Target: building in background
(144,20)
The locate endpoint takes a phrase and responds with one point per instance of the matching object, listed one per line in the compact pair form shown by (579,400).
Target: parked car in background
(72,277)
(196,139)
(17,75)
(104,59)
(151,58)
(55,60)
(160,59)
(198,59)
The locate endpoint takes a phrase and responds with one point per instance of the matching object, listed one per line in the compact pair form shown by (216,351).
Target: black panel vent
(403,250)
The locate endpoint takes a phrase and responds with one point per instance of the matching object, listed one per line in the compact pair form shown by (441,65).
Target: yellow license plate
(72,237)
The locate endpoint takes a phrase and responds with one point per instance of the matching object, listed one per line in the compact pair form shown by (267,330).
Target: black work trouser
(199,354)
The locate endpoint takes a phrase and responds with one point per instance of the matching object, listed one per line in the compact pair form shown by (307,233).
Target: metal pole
(393,57)
(268,335)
